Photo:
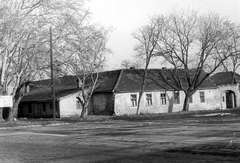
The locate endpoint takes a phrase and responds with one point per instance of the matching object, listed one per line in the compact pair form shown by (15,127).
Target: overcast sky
(125,16)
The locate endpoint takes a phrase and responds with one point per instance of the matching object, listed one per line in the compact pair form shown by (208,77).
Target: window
(202,97)
(176,98)
(190,99)
(149,99)
(133,100)
(163,98)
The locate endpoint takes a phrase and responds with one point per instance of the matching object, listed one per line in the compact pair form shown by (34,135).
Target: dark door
(230,99)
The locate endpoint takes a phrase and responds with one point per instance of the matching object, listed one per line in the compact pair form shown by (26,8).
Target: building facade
(118,92)
(228,88)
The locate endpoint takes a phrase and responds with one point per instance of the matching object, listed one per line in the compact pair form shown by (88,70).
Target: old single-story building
(118,94)
(158,97)
(228,87)
(37,102)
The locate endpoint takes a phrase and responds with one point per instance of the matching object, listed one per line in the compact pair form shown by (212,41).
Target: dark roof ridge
(54,78)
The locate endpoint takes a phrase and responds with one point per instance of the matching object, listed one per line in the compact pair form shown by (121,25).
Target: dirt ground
(199,139)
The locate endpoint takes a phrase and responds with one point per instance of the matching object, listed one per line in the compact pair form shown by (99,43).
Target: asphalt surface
(200,139)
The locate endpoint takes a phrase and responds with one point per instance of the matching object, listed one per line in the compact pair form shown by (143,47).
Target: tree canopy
(189,40)
(24,42)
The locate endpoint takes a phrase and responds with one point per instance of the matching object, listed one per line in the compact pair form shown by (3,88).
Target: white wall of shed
(68,106)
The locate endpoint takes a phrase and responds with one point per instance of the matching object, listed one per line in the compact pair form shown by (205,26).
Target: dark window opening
(163,98)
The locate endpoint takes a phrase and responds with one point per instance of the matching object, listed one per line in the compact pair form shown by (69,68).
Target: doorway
(230,99)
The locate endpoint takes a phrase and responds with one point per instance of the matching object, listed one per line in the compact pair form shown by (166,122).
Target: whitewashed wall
(68,106)
(222,92)
(123,106)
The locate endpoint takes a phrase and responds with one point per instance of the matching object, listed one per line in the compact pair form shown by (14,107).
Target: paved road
(181,140)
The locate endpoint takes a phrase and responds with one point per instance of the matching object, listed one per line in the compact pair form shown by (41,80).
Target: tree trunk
(2,92)
(1,114)
(83,113)
(139,101)
(13,111)
(186,102)
(142,89)
(84,109)
(12,114)
(170,106)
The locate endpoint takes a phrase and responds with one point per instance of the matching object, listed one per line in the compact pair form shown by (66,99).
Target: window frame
(163,99)
(133,100)
(149,99)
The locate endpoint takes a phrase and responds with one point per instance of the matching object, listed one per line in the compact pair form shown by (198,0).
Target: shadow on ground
(197,153)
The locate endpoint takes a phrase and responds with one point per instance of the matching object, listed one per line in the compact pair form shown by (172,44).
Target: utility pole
(52,81)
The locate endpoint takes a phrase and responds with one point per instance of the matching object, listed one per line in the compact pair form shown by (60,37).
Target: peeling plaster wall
(222,92)
(68,106)
(123,106)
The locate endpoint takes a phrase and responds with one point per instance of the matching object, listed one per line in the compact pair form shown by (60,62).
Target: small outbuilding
(37,102)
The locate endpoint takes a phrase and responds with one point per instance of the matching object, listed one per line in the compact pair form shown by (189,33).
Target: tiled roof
(65,82)
(125,80)
(46,94)
(131,80)
(108,80)
(224,78)
(41,90)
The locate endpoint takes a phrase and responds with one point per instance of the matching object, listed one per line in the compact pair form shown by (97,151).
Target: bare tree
(19,40)
(87,63)
(193,42)
(233,62)
(24,41)
(82,52)
(126,63)
(147,39)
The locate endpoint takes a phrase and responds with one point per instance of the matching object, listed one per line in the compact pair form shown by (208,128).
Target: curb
(53,124)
